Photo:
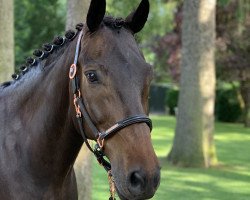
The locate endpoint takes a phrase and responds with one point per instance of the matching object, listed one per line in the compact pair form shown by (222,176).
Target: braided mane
(42,54)
(56,46)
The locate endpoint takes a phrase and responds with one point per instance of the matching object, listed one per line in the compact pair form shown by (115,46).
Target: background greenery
(229,181)
(38,22)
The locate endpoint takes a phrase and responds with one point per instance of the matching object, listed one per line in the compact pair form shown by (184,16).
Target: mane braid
(114,23)
(50,50)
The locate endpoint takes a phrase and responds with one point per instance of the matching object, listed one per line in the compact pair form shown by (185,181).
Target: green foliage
(159,22)
(241,7)
(39,21)
(172,100)
(227,105)
(156,98)
(229,181)
(36,22)
(160,16)
(223,2)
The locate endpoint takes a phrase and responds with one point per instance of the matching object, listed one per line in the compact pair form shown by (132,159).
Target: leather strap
(124,123)
(78,47)
(87,118)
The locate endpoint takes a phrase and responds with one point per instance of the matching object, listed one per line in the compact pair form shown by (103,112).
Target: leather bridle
(83,116)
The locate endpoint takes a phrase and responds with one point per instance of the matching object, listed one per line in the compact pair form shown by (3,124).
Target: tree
(76,13)
(37,22)
(193,143)
(232,60)
(168,49)
(6,39)
(233,45)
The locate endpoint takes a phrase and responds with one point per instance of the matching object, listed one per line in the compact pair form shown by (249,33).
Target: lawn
(229,181)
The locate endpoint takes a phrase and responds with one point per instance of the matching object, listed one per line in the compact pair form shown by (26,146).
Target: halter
(83,116)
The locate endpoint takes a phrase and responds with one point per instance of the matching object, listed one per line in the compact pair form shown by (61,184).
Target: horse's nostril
(137,180)
(142,185)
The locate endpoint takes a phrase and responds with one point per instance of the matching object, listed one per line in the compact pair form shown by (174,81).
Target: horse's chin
(121,192)
(122,196)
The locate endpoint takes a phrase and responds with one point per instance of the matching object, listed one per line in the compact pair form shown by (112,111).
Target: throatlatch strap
(96,151)
(80,124)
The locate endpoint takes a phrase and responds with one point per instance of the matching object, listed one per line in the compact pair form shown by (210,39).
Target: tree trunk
(83,170)
(6,39)
(76,13)
(245,92)
(193,143)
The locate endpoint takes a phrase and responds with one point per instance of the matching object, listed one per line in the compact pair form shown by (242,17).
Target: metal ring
(72,71)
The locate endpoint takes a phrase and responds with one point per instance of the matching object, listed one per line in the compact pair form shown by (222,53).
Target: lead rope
(111,186)
(81,114)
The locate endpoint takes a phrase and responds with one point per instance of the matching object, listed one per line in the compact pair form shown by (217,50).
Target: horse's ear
(96,14)
(137,19)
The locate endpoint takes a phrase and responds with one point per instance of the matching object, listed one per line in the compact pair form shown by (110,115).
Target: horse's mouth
(122,197)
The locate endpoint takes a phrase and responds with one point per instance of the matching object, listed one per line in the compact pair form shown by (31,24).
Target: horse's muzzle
(142,185)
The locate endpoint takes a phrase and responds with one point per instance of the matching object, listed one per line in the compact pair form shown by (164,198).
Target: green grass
(229,181)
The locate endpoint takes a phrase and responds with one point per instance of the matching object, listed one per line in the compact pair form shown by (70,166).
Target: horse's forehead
(118,51)
(108,43)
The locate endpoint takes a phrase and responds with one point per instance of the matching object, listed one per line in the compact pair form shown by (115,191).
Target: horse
(89,80)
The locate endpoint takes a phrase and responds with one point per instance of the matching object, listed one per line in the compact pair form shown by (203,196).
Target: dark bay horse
(39,134)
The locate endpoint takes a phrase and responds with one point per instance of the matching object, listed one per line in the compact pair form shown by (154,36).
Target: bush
(172,100)
(157,98)
(227,108)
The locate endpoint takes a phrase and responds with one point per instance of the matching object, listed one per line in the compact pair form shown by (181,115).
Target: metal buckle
(77,107)
(100,141)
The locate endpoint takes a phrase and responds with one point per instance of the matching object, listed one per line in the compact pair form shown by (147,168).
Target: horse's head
(115,80)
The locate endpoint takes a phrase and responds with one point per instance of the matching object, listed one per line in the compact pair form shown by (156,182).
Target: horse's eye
(92,77)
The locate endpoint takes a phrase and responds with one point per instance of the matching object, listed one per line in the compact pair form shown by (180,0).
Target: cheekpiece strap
(78,47)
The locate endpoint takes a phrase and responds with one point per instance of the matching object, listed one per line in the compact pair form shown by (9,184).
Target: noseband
(83,116)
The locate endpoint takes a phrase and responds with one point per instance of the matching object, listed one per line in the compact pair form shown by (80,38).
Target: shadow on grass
(228,181)
(231,128)
(222,183)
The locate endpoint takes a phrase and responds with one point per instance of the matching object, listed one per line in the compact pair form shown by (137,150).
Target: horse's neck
(46,122)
